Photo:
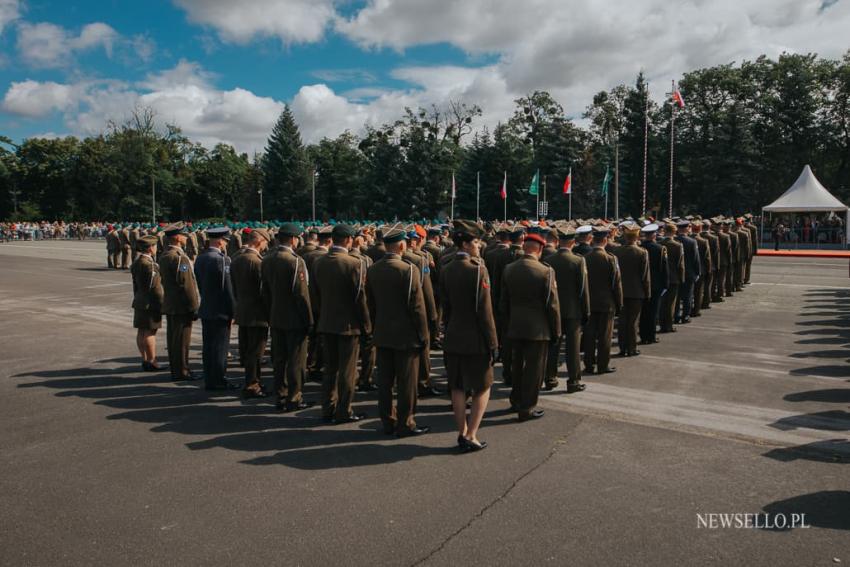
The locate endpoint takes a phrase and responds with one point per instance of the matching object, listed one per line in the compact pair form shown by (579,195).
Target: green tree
(286,171)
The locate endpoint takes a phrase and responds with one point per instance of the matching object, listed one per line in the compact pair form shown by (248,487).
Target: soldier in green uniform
(181,301)
(471,341)
(754,244)
(252,316)
(633,262)
(745,255)
(401,331)
(714,253)
(340,280)
(704,248)
(126,248)
(675,277)
(365,382)
(422,261)
(532,317)
(724,245)
(147,300)
(735,258)
(134,235)
(606,301)
(287,297)
(574,301)
(113,248)
(501,257)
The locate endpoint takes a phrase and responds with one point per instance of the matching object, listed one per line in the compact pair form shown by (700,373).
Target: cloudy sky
(223,69)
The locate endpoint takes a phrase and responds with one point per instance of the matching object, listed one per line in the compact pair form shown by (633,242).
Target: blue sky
(222,70)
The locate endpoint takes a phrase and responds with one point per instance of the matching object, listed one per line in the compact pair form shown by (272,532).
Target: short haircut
(339,240)
(598,238)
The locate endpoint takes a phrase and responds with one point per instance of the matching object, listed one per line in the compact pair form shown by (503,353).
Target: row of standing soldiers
(338,295)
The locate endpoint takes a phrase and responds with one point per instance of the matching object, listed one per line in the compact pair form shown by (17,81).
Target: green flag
(606,181)
(532,190)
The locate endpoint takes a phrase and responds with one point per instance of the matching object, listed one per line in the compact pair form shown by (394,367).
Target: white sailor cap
(652,227)
(584,229)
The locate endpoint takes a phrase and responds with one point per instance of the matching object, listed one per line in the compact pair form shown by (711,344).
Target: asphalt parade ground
(746,410)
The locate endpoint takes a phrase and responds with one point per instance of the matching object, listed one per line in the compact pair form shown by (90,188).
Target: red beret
(534,237)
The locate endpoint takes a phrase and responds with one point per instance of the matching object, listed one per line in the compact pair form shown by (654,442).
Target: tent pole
(761,231)
(846,227)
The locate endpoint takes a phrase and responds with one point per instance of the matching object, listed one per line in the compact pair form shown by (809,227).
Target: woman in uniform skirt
(147,301)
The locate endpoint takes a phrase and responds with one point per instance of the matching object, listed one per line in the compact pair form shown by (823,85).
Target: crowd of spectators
(16,231)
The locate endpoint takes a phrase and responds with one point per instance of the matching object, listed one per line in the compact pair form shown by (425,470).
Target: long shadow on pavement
(825,509)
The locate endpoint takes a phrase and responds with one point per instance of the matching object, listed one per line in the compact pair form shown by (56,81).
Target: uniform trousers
(571,339)
(706,290)
(216,337)
(748,270)
(720,284)
(315,354)
(529,365)
(730,279)
(367,361)
(649,317)
(424,374)
(252,346)
(125,257)
(340,376)
(668,307)
(597,340)
(627,324)
(113,259)
(686,299)
(178,335)
(397,367)
(289,360)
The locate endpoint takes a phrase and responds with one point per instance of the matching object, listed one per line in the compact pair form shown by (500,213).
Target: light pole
(260,193)
(315,175)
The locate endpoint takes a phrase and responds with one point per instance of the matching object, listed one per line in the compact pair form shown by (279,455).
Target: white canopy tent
(807,195)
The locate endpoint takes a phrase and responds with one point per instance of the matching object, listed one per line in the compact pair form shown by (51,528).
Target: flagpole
(453,195)
(505,200)
(538,194)
(672,135)
(544,190)
(478,195)
(570,195)
(645,148)
(570,216)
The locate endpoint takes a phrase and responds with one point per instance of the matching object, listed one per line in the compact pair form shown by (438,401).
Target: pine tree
(286,171)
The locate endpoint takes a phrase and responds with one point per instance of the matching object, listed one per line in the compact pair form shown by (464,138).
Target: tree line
(742,138)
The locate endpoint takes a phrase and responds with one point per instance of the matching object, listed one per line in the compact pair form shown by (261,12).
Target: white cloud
(292,21)
(34,99)
(184,96)
(10,10)
(46,45)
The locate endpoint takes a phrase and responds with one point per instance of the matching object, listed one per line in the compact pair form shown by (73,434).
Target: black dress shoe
(473,446)
(430,391)
(353,418)
(685,321)
(414,432)
(609,370)
(549,386)
(573,388)
(533,414)
(634,353)
(588,370)
(367,388)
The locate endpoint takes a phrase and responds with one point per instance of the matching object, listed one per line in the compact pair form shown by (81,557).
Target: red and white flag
(568,183)
(677,98)
(503,191)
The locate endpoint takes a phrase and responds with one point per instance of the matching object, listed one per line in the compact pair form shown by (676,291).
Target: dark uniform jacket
(467,307)
(744,244)
(548,250)
(234,244)
(308,247)
(423,269)
(658,276)
(124,237)
(725,246)
(212,271)
(339,280)
(735,246)
(376,251)
(675,260)
(499,259)
(704,247)
(693,268)
(603,279)
(754,238)
(571,277)
(192,245)
(178,282)
(286,290)
(113,242)
(529,301)
(396,304)
(246,274)
(634,271)
(147,284)
(714,248)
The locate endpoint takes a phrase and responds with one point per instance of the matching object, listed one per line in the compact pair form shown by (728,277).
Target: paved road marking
(737,421)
